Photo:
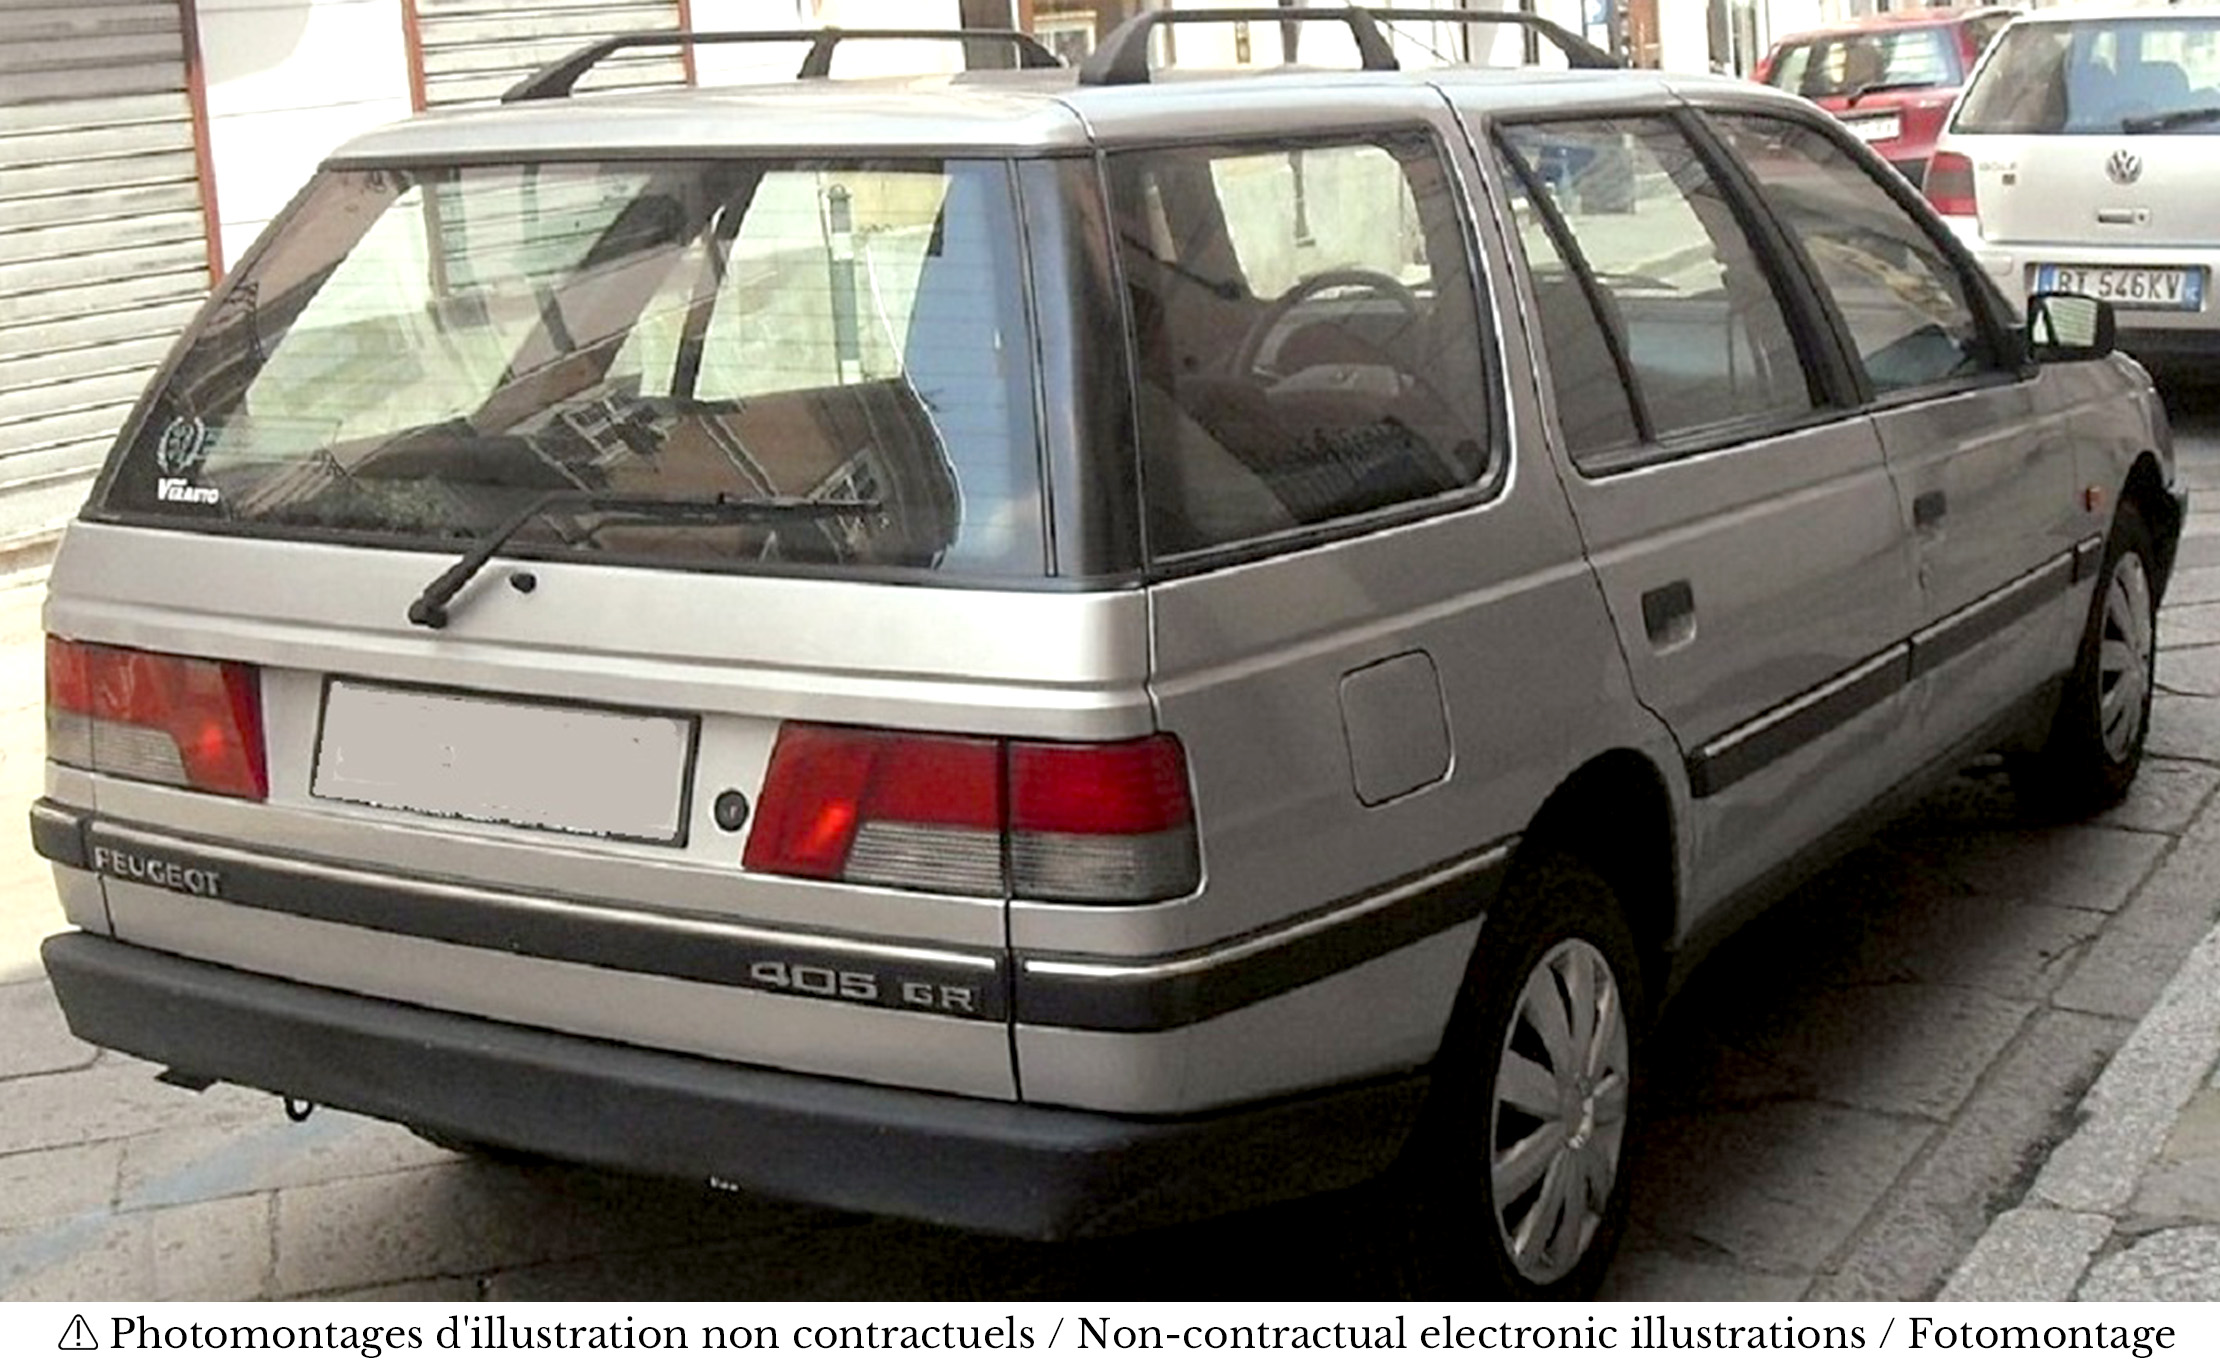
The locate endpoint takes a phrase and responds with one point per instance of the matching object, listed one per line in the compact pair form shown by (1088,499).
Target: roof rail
(1123,58)
(1578,51)
(555,80)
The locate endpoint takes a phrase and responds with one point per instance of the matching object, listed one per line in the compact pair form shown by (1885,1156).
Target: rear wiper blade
(2180,118)
(430,608)
(1857,93)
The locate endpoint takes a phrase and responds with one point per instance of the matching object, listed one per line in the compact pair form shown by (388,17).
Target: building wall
(287,81)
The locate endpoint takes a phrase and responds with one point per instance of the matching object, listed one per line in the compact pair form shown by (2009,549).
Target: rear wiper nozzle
(430,608)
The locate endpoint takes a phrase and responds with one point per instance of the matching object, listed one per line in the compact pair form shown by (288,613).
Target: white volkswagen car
(2084,155)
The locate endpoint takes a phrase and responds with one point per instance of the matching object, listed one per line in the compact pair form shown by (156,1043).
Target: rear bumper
(988,1166)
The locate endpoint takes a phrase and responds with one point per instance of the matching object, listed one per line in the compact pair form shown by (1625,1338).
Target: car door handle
(1669,614)
(1928,508)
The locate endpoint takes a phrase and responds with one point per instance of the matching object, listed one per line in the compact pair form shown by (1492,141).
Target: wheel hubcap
(2124,657)
(1558,1119)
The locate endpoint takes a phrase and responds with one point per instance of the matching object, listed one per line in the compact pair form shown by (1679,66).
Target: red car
(1890,77)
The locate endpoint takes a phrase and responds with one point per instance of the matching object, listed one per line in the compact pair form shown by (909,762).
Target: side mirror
(2068,328)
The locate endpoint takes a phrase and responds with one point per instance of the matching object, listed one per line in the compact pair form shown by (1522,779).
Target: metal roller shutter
(475,49)
(103,246)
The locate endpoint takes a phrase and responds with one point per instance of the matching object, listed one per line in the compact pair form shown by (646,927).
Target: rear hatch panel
(641,937)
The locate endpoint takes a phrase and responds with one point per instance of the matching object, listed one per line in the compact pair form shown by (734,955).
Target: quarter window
(1594,411)
(1694,312)
(1305,331)
(1910,317)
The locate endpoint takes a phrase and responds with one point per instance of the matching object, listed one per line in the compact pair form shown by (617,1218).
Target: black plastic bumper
(989,1166)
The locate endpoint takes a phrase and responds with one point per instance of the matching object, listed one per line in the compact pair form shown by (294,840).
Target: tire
(2096,742)
(1518,1187)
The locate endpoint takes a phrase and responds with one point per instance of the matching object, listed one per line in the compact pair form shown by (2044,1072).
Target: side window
(1907,308)
(1916,57)
(1305,331)
(1695,312)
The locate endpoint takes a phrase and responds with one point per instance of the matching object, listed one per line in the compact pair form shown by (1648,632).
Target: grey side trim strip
(1958,632)
(1082,992)
(1782,729)
(2088,557)
(1107,995)
(957,983)
(58,834)
(1749,747)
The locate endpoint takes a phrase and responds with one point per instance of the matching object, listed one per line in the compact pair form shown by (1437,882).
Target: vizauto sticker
(177,490)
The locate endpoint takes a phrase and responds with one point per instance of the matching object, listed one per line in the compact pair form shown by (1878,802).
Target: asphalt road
(1841,1098)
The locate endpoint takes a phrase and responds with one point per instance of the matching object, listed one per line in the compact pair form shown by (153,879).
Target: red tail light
(1949,184)
(175,720)
(1088,823)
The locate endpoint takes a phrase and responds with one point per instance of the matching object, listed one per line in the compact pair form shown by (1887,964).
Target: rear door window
(1305,329)
(420,351)
(1665,268)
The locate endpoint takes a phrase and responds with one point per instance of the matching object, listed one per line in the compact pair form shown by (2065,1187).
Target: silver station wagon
(1050,650)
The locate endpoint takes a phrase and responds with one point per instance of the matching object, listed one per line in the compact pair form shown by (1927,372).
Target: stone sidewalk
(2128,1206)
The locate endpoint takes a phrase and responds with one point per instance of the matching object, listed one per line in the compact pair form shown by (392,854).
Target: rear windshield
(420,353)
(1865,60)
(2105,76)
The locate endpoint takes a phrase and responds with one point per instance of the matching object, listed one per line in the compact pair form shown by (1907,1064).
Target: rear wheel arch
(1515,1183)
(1614,816)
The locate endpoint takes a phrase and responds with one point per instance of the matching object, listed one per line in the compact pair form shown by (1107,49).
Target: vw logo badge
(2124,167)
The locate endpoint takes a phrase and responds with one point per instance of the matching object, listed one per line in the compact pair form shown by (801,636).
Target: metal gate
(103,245)
(464,50)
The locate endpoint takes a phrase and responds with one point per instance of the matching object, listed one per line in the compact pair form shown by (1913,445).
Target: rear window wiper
(2180,118)
(430,608)
(1857,93)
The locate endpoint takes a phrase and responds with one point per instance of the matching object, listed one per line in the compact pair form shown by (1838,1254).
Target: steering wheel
(1378,283)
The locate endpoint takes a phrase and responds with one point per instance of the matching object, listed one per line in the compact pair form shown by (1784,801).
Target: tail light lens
(1105,823)
(1949,184)
(174,720)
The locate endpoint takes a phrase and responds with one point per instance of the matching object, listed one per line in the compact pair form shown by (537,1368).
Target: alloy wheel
(2124,657)
(1559,1115)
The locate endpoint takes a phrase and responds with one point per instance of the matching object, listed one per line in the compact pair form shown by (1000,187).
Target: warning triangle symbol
(79,1336)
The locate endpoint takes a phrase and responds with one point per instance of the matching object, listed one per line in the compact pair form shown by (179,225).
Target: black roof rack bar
(555,80)
(1123,58)
(1579,52)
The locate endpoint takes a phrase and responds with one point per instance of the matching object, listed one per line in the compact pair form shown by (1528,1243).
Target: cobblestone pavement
(1850,1097)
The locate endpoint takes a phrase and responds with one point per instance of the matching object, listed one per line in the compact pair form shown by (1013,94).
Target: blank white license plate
(2144,287)
(528,765)
(1877,128)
